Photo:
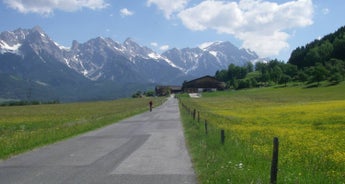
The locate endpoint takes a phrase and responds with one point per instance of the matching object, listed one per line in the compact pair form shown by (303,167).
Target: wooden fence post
(274,166)
(206,131)
(222,136)
(198,116)
(194,114)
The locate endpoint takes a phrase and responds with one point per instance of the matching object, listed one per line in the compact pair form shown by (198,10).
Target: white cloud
(164,47)
(217,15)
(154,44)
(159,47)
(47,7)
(261,25)
(125,12)
(265,45)
(168,6)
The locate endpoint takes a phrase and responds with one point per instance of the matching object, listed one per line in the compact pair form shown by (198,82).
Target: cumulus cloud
(164,47)
(169,6)
(124,12)
(47,7)
(261,25)
(159,47)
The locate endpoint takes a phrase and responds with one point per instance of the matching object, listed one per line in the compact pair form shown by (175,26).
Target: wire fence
(197,120)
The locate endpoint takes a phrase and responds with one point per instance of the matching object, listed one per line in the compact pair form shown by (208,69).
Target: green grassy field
(25,127)
(309,123)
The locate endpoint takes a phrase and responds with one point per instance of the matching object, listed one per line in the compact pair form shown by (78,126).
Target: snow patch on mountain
(41,83)
(154,55)
(4,47)
(214,53)
(204,45)
(62,47)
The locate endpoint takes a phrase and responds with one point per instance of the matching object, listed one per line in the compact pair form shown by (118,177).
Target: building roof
(204,82)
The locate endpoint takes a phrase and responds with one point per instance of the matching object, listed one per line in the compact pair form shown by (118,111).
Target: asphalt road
(148,149)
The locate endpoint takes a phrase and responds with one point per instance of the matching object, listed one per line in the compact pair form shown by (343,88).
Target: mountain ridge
(104,64)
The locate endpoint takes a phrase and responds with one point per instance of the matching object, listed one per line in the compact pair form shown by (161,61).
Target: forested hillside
(330,47)
(320,60)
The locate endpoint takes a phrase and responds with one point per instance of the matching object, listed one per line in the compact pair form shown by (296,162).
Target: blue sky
(272,28)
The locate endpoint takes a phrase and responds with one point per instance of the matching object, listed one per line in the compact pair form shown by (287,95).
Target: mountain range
(33,66)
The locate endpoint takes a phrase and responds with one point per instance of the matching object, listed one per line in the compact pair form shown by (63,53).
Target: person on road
(150,103)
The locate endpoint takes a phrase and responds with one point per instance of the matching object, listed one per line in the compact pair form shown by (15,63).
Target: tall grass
(310,124)
(26,127)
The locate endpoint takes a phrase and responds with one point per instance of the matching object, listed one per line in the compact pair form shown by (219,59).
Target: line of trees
(277,72)
(139,94)
(235,76)
(28,102)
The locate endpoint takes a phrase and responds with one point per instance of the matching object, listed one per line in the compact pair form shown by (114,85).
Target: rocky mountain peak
(37,29)
(75,45)
(129,41)
(222,46)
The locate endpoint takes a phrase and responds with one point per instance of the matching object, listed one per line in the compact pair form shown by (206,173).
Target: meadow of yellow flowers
(310,125)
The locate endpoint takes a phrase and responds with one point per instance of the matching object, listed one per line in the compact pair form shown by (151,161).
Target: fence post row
(274,166)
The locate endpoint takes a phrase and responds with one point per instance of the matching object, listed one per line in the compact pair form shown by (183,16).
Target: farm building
(166,90)
(206,83)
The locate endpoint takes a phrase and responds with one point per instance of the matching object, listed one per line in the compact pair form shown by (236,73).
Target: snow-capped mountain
(29,59)
(206,60)
(105,59)
(21,40)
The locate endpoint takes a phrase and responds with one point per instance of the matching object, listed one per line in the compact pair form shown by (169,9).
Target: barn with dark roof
(206,83)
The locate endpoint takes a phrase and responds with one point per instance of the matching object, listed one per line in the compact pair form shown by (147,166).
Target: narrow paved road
(148,149)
